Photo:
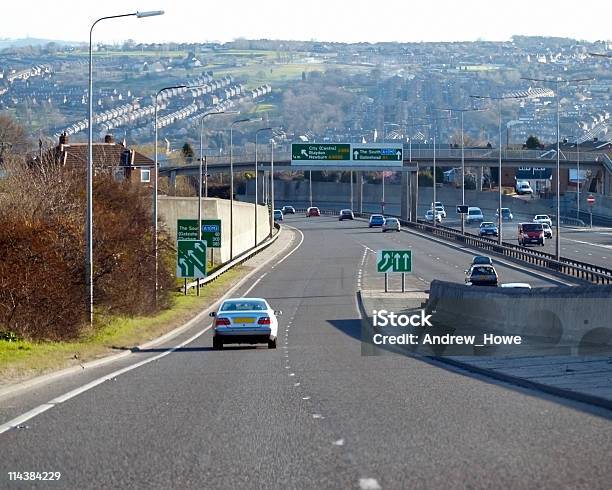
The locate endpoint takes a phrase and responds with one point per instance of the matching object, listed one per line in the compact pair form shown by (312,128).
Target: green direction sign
(305,153)
(191,258)
(187,229)
(394,261)
(383,152)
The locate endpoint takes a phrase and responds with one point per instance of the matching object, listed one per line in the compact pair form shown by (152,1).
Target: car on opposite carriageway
(488,228)
(313,211)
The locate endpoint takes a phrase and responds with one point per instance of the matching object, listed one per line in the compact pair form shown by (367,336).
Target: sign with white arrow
(348,154)
(191,258)
(394,261)
(390,153)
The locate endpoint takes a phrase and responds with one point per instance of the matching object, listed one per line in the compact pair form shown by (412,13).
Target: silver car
(245,321)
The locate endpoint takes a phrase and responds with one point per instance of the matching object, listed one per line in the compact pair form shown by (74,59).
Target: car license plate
(244,320)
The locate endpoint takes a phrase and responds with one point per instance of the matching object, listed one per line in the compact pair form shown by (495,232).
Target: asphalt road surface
(314,413)
(593,246)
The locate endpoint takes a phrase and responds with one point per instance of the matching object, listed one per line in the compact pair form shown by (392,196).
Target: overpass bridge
(596,162)
(412,160)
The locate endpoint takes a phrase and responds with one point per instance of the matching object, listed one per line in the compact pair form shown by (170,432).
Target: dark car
(531,233)
(488,228)
(506,214)
(376,220)
(346,214)
(288,210)
(482,275)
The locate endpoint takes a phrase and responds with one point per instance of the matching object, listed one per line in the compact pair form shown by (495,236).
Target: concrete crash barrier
(573,320)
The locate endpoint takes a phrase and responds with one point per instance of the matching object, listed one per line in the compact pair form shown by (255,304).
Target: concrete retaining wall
(337,195)
(576,317)
(173,208)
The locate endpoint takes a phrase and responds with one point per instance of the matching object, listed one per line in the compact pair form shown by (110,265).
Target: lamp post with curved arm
(462,111)
(237,121)
(256,170)
(500,99)
(90,172)
(557,81)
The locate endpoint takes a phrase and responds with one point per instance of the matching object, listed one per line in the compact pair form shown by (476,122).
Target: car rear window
(483,271)
(532,227)
(238,305)
(473,211)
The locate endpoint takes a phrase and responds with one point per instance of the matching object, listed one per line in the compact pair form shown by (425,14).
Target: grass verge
(21,360)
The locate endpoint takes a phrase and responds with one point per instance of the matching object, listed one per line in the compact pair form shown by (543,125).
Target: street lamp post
(385,124)
(430,126)
(155,187)
(256,190)
(557,81)
(578,179)
(462,111)
(205,162)
(90,172)
(271,186)
(237,121)
(499,167)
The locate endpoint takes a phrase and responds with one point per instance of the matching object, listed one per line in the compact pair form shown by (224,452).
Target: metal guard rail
(247,254)
(570,267)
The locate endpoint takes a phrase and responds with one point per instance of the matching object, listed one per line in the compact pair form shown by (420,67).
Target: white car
(523,188)
(391,224)
(439,207)
(516,285)
(429,216)
(474,214)
(245,321)
(542,218)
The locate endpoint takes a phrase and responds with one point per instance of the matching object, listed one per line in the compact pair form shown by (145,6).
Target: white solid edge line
(77,391)
(47,378)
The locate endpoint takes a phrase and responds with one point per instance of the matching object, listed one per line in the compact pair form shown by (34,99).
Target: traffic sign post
(187,229)
(591,201)
(191,259)
(381,152)
(394,261)
(462,209)
(305,153)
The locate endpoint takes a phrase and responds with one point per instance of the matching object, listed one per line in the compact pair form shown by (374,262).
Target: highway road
(593,246)
(315,413)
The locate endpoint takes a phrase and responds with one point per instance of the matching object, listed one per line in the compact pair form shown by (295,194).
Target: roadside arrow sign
(191,258)
(394,261)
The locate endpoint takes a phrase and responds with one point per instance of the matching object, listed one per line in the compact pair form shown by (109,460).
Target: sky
(321,20)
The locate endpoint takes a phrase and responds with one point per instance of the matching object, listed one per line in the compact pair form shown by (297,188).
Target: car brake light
(221,321)
(264,320)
